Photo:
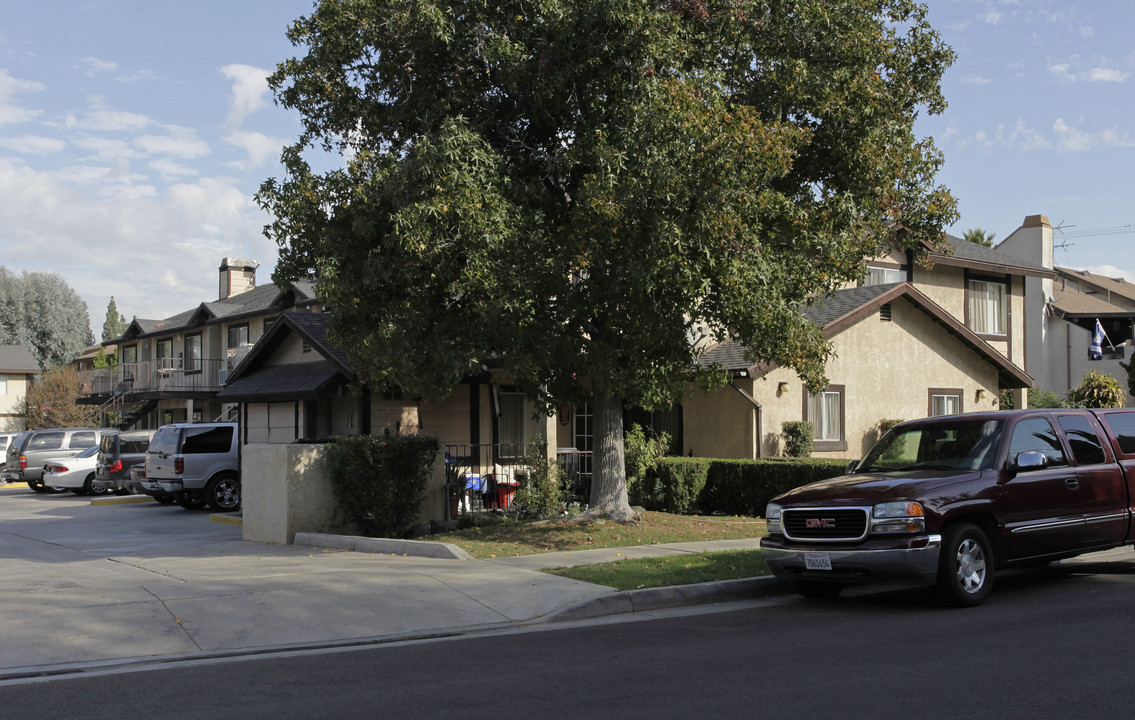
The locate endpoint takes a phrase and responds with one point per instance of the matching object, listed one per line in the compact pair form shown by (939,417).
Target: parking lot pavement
(83,583)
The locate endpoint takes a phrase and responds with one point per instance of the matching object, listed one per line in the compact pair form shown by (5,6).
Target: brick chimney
(237,275)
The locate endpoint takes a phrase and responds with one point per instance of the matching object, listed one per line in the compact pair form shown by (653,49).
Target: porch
(485,477)
(154,376)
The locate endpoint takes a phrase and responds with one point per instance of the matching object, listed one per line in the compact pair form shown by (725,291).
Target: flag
(1095,352)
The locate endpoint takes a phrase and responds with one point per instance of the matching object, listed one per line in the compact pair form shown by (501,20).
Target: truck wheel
(965,567)
(818,590)
(223,493)
(190,501)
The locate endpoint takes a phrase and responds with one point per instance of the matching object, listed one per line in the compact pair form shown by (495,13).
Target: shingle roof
(1115,286)
(962,252)
(17,359)
(274,382)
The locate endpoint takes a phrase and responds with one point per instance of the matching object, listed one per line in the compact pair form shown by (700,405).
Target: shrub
(541,493)
(1045,399)
(1097,391)
(680,482)
(744,487)
(797,438)
(380,482)
(642,454)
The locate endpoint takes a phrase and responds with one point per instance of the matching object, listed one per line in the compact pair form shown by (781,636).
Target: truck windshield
(954,445)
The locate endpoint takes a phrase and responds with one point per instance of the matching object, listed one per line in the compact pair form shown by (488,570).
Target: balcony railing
(163,375)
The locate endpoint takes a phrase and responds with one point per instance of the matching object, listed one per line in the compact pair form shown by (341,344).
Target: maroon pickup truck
(946,501)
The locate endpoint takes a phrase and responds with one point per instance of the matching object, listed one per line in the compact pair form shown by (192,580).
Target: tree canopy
(979,236)
(577,189)
(41,312)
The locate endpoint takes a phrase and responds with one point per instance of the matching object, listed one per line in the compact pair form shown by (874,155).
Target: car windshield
(950,445)
(92,450)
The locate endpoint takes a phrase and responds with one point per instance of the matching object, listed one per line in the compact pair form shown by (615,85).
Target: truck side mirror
(1030,460)
(851,466)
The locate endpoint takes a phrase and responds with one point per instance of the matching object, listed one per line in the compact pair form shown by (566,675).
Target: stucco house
(171,370)
(17,369)
(1062,311)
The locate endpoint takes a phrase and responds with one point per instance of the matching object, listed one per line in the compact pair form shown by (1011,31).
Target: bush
(1097,391)
(797,438)
(744,487)
(542,494)
(380,482)
(1045,399)
(680,482)
(642,454)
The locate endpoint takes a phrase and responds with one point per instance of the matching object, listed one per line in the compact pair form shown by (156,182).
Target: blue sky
(134,133)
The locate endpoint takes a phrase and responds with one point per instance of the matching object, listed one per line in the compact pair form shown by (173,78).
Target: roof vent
(885,312)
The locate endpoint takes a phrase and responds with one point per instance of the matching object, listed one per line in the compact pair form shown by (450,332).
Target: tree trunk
(609,470)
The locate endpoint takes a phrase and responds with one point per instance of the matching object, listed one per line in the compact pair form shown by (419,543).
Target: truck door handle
(1072,484)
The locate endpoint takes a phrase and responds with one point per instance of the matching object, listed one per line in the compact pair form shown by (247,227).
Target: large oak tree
(576,189)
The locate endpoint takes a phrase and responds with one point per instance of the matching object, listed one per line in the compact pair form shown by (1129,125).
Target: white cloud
(976,80)
(33,144)
(92,66)
(105,149)
(100,120)
(170,169)
(10,112)
(1062,71)
(992,17)
(249,91)
(261,148)
(1070,139)
(1023,137)
(1101,74)
(1072,71)
(179,142)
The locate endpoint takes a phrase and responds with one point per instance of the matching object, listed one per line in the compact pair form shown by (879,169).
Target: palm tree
(979,236)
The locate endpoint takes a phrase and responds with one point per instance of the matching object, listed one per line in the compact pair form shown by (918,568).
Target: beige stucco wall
(287,489)
(16,389)
(886,368)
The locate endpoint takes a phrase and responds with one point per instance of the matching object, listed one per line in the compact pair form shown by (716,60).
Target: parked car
(75,473)
(5,441)
(136,483)
(198,463)
(118,453)
(26,459)
(13,449)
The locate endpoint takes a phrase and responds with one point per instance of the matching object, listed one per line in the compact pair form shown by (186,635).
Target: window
(1123,427)
(164,351)
(985,307)
(883,275)
(129,361)
(1086,445)
(945,401)
(46,441)
(193,353)
(207,440)
(238,335)
(1036,434)
(511,424)
(825,411)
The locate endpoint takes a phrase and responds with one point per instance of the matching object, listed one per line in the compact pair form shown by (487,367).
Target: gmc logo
(819,523)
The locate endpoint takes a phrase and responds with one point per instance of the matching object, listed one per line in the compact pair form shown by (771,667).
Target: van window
(165,441)
(207,440)
(46,441)
(81,440)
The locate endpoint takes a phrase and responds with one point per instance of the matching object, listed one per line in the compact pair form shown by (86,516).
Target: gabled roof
(843,308)
(958,252)
(1077,304)
(1105,285)
(17,359)
(259,300)
(255,381)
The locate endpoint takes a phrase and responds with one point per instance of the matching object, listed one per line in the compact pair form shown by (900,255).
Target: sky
(135,133)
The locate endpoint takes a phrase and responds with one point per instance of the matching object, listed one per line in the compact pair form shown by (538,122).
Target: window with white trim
(825,412)
(945,402)
(985,307)
(883,275)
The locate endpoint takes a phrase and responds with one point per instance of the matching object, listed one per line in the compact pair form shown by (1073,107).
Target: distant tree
(568,188)
(115,323)
(50,401)
(41,312)
(979,236)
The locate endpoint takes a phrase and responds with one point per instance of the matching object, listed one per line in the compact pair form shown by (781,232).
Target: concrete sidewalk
(84,585)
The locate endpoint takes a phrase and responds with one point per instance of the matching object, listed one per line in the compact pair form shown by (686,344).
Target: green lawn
(664,571)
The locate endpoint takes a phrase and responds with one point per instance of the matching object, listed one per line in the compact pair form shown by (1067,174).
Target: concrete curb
(624,602)
(122,500)
(383,546)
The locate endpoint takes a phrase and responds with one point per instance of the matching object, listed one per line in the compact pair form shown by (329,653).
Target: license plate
(817,561)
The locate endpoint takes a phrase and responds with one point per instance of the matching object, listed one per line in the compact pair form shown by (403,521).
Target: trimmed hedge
(734,487)
(380,482)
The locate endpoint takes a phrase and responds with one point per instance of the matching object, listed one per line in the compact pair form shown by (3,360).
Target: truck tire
(818,589)
(965,566)
(223,493)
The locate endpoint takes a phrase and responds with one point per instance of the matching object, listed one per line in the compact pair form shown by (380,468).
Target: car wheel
(818,590)
(90,489)
(36,486)
(965,566)
(165,498)
(190,501)
(223,493)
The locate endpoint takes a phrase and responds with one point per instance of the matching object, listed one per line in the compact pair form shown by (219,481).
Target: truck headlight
(898,517)
(772,518)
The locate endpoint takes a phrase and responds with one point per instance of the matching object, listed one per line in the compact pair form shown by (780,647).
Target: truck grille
(825,524)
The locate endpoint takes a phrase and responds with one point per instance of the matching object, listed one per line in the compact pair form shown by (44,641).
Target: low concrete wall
(286,489)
